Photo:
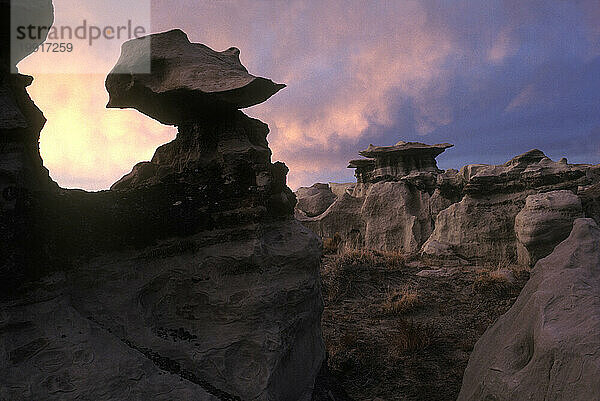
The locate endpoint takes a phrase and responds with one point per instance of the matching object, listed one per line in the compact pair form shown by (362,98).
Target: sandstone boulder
(546,347)
(315,199)
(238,308)
(545,221)
(187,80)
(477,228)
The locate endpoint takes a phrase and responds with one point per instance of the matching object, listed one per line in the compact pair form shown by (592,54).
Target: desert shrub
(410,337)
(400,301)
(493,281)
(341,272)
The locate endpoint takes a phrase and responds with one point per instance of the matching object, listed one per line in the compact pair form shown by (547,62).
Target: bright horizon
(495,79)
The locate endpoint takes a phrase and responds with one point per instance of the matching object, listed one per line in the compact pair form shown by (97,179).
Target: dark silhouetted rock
(37,13)
(189,279)
(188,80)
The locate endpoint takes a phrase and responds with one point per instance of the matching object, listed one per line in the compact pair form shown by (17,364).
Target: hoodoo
(189,279)
(397,161)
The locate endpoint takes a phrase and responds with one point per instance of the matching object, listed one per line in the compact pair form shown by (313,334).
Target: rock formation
(189,279)
(403,202)
(388,208)
(188,80)
(21,169)
(314,200)
(545,221)
(482,224)
(546,347)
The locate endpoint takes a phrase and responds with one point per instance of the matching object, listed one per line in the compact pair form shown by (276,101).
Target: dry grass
(411,337)
(331,245)
(349,266)
(496,281)
(400,301)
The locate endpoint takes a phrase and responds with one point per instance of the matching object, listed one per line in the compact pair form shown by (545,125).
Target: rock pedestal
(189,279)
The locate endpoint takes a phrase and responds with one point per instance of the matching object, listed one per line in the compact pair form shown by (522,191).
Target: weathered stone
(546,347)
(188,80)
(397,161)
(192,264)
(315,199)
(481,225)
(240,307)
(590,199)
(545,221)
(477,228)
(339,189)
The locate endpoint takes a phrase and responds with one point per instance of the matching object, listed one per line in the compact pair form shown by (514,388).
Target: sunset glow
(359,74)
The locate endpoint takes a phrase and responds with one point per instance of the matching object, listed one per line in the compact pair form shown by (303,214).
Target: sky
(495,78)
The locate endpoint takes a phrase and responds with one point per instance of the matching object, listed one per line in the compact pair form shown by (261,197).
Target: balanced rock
(546,347)
(389,207)
(397,161)
(189,279)
(545,221)
(187,80)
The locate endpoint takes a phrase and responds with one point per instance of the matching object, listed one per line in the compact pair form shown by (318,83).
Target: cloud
(496,78)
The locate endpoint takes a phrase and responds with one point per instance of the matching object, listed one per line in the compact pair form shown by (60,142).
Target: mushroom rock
(397,161)
(391,199)
(187,80)
(190,273)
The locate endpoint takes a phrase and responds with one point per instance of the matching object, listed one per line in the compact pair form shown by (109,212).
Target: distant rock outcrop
(546,347)
(314,200)
(403,202)
(482,224)
(189,279)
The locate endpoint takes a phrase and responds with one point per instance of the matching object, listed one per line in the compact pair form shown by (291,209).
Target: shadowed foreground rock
(189,279)
(546,347)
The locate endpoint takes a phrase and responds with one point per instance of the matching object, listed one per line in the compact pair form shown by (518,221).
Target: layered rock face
(482,224)
(471,213)
(388,208)
(189,278)
(546,347)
